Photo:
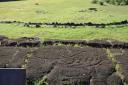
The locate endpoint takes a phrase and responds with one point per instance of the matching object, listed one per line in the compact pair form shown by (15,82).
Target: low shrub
(114,2)
(94,1)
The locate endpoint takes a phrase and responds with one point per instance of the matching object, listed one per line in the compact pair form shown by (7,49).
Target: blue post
(12,76)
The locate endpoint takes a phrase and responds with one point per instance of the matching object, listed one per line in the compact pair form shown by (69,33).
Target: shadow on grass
(9,0)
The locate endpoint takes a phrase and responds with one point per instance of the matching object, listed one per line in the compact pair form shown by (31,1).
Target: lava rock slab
(11,57)
(70,65)
(121,56)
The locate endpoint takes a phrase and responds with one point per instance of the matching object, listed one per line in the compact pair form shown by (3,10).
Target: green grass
(61,11)
(88,33)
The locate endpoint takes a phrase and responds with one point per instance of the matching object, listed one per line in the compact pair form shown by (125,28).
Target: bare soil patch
(69,65)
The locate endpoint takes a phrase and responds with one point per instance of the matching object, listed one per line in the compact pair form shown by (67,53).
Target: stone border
(67,24)
(36,42)
(91,43)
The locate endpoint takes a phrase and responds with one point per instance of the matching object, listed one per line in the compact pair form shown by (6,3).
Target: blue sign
(12,76)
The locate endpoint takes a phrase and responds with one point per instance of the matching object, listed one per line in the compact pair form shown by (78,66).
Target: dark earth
(67,65)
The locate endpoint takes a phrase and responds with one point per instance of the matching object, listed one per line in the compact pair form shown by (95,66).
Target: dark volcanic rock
(69,65)
(12,57)
(99,43)
(2,38)
(65,42)
(66,65)
(12,43)
(117,44)
(114,79)
(93,43)
(36,42)
(9,42)
(121,56)
(26,41)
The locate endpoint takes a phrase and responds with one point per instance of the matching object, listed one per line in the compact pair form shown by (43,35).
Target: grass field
(62,11)
(87,33)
